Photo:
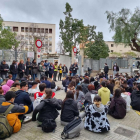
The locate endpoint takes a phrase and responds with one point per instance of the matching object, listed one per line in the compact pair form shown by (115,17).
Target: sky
(51,11)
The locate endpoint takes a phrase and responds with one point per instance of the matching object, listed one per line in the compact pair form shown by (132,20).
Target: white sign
(30,54)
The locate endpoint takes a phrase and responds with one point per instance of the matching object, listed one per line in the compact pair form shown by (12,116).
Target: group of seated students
(94,97)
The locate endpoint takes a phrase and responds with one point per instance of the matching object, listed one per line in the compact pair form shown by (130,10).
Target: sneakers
(27,119)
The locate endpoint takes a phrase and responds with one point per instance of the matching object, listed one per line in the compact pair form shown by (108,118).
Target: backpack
(5,129)
(73,129)
(48,125)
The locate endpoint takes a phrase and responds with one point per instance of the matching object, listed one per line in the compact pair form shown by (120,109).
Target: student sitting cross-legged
(15,116)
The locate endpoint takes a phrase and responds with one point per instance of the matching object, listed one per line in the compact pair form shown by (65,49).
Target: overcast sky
(51,11)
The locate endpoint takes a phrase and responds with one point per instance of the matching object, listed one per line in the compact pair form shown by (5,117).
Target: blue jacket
(51,69)
(22,97)
(48,84)
(47,66)
(130,82)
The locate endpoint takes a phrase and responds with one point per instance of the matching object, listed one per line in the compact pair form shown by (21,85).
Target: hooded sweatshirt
(104,93)
(7,86)
(69,110)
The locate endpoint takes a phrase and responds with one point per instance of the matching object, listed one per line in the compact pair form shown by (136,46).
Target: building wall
(49,37)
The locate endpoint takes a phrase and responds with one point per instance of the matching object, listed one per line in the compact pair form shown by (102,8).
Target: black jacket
(4,66)
(74,68)
(117,68)
(135,100)
(21,67)
(2,99)
(106,69)
(69,111)
(64,68)
(47,109)
(29,67)
(35,68)
(14,69)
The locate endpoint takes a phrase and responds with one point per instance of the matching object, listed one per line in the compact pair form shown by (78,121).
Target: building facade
(27,33)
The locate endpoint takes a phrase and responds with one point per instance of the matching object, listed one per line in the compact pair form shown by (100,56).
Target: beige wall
(37,25)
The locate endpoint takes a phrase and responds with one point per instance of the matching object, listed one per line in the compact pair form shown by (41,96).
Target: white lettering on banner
(30,54)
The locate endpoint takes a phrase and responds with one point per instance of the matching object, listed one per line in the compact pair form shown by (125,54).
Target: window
(46,43)
(50,49)
(26,37)
(112,45)
(46,30)
(111,50)
(42,30)
(34,30)
(31,29)
(26,29)
(22,36)
(50,38)
(38,30)
(50,30)
(15,29)
(22,29)
(50,44)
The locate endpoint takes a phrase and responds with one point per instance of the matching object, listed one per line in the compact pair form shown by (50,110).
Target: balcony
(42,30)
(26,29)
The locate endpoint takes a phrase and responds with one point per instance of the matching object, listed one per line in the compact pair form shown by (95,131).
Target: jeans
(50,75)
(59,76)
(4,76)
(47,73)
(14,76)
(34,76)
(54,75)
(64,74)
(106,76)
(21,75)
(73,74)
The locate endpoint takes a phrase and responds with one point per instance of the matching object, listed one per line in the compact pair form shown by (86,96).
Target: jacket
(47,66)
(74,68)
(28,67)
(14,69)
(117,68)
(14,89)
(4,66)
(2,99)
(88,98)
(69,110)
(130,82)
(81,97)
(110,87)
(48,84)
(47,109)
(22,97)
(35,68)
(65,69)
(53,85)
(51,69)
(21,67)
(84,88)
(12,117)
(60,69)
(104,93)
(106,69)
(7,86)
(135,100)
(42,69)
(118,108)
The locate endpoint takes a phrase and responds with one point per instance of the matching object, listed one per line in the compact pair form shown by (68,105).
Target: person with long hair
(71,87)
(51,70)
(35,69)
(117,85)
(118,105)
(21,68)
(47,109)
(14,70)
(85,85)
(69,109)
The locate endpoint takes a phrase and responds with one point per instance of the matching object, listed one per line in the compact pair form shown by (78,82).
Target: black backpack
(48,125)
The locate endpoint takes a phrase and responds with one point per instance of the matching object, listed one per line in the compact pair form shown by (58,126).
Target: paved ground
(30,131)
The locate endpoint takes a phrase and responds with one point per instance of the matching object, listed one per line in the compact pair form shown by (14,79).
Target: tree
(7,38)
(130,54)
(97,49)
(70,30)
(116,54)
(60,48)
(126,26)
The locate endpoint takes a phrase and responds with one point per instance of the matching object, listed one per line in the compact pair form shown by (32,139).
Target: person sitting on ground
(79,97)
(7,86)
(47,109)
(48,84)
(2,99)
(92,80)
(22,97)
(15,117)
(117,85)
(68,82)
(110,86)
(101,75)
(15,87)
(97,85)
(117,106)
(126,97)
(77,82)
(33,90)
(135,99)
(96,116)
(104,93)
(38,81)
(69,109)
(89,96)
(85,85)
(71,87)
(4,81)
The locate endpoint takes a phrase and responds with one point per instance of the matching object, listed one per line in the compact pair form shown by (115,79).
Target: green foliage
(126,26)
(7,38)
(116,54)
(132,54)
(97,49)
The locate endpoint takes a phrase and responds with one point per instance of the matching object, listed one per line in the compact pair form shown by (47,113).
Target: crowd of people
(91,98)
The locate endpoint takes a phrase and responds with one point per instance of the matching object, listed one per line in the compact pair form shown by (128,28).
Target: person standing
(74,69)
(55,66)
(46,64)
(64,70)
(28,67)
(106,69)
(60,72)
(115,69)
(14,70)
(70,69)
(4,69)
(51,70)
(42,69)
(35,69)
(21,68)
